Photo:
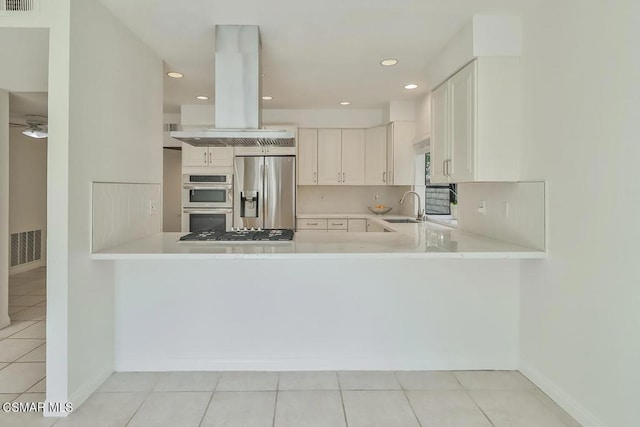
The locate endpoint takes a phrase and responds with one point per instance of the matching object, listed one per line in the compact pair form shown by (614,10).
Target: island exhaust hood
(238,114)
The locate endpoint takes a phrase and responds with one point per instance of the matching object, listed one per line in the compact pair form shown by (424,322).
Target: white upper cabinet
(353,150)
(439,134)
(329,157)
(476,123)
(204,157)
(462,125)
(307,158)
(195,156)
(375,168)
(400,153)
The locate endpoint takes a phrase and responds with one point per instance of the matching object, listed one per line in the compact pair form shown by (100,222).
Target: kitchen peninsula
(405,299)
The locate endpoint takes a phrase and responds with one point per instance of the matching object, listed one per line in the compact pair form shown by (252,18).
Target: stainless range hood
(238,115)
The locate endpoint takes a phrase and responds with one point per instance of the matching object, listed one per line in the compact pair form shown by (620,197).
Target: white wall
(105,125)
(350,199)
(345,314)
(423,115)
(4,208)
(484,35)
(580,308)
(203,115)
(172,190)
(27,188)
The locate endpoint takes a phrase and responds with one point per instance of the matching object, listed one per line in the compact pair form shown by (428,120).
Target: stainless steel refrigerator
(264,192)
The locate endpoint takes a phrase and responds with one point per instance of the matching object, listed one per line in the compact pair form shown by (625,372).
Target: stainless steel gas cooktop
(239,235)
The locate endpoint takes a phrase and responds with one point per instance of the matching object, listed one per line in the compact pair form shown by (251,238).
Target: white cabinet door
(439,133)
(403,153)
(462,126)
(249,151)
(194,156)
(220,156)
(329,156)
(353,156)
(375,164)
(308,157)
(390,154)
(357,225)
(373,226)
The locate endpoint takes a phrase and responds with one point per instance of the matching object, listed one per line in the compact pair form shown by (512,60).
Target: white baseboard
(78,397)
(308,365)
(562,398)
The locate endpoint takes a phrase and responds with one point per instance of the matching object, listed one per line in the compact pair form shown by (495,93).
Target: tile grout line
(344,409)
(472,399)
(215,387)
(148,393)
(406,396)
(275,405)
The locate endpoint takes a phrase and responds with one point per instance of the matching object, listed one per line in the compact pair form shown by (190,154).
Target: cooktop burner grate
(266,235)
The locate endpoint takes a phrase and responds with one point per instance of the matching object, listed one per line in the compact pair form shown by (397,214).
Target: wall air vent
(26,247)
(17,6)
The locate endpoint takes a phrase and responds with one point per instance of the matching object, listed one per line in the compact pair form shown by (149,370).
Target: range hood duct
(238,114)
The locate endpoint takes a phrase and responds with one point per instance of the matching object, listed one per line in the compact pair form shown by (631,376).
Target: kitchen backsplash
(352,199)
(509,211)
(122,212)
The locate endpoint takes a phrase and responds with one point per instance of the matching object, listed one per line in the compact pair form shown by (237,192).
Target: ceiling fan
(35,126)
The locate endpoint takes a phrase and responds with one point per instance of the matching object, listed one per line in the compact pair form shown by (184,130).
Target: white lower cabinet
(333,224)
(373,226)
(312,224)
(337,224)
(357,225)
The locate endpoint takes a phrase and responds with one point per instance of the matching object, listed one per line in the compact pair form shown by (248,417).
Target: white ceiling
(315,53)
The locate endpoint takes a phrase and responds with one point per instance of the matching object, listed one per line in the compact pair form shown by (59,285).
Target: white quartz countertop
(422,240)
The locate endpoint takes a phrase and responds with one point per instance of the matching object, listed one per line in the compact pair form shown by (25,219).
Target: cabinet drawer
(337,224)
(312,224)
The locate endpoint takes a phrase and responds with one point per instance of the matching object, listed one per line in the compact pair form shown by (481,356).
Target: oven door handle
(207,187)
(207,211)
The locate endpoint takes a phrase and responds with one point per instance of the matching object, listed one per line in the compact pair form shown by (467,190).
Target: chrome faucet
(420,216)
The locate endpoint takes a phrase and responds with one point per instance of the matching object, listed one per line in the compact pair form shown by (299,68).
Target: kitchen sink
(402,221)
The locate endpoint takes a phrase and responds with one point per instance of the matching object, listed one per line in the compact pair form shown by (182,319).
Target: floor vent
(17,6)
(26,247)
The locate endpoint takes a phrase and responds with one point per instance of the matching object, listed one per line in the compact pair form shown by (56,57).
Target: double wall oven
(207,201)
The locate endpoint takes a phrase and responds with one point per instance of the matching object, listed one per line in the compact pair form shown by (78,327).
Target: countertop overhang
(409,241)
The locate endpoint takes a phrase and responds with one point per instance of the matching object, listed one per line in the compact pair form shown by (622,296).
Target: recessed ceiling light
(388,62)
(175,74)
(202,97)
(411,86)
(345,103)
(267,98)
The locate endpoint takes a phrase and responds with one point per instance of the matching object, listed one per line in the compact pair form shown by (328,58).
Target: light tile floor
(270,399)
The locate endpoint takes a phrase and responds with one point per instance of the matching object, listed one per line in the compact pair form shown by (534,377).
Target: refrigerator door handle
(265,176)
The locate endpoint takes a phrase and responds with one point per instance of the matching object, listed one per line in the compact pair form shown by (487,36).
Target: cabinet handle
(205,158)
(209,157)
(339,177)
(315,177)
(337,223)
(342,176)
(384,177)
(312,223)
